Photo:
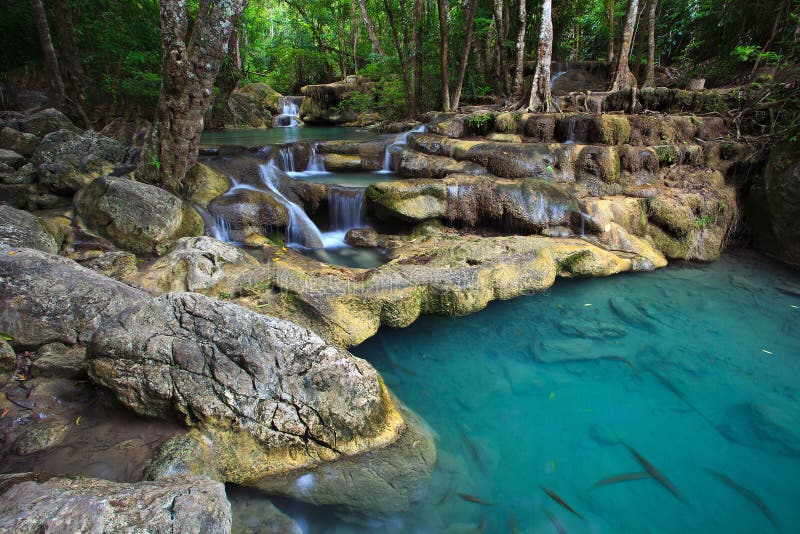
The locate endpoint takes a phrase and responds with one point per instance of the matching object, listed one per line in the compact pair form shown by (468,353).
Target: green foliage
(479,124)
(704,221)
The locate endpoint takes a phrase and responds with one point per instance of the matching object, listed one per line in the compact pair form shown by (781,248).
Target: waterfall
(562,70)
(571,132)
(315,164)
(345,206)
(216,227)
(401,141)
(286,155)
(300,230)
(289,111)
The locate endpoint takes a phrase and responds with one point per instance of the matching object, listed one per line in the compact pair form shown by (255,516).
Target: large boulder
(46,121)
(49,298)
(200,264)
(137,217)
(23,229)
(11,159)
(36,502)
(21,142)
(67,161)
(246,211)
(251,106)
(271,402)
(205,184)
(773,207)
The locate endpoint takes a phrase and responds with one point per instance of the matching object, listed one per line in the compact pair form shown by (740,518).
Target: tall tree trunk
(401,56)
(611,27)
(518,87)
(373,37)
(501,49)
(417,20)
(469,7)
(621,73)
(188,71)
(443,16)
(51,70)
(650,77)
(71,68)
(228,78)
(541,99)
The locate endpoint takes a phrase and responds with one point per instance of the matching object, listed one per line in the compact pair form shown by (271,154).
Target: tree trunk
(71,68)
(611,27)
(188,72)
(650,77)
(228,78)
(373,37)
(518,87)
(541,99)
(401,57)
(418,14)
(51,70)
(442,8)
(621,73)
(469,30)
(501,49)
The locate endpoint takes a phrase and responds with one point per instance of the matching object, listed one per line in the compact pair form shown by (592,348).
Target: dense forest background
(113,47)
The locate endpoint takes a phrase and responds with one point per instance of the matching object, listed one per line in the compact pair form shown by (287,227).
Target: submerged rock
(271,401)
(67,161)
(362,237)
(137,217)
(56,360)
(42,436)
(36,502)
(23,229)
(253,513)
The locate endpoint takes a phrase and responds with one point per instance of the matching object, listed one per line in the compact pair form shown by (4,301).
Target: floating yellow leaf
(586,305)
(552,395)
(78,421)
(11,252)
(765,351)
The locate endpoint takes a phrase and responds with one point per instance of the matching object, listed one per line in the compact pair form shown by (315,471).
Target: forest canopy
(292,43)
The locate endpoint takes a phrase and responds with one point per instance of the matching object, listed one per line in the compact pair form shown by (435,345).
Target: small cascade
(345,208)
(286,159)
(315,163)
(216,227)
(401,141)
(571,132)
(290,107)
(300,230)
(561,70)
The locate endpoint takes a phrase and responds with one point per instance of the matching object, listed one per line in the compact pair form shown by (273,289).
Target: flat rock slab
(35,503)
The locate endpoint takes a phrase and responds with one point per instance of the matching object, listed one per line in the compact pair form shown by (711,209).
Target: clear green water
(349,179)
(276,136)
(547,388)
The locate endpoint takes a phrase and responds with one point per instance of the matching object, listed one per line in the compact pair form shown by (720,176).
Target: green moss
(505,123)
(569,263)
(667,154)
(612,130)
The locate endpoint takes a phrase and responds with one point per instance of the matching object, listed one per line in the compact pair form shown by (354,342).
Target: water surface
(696,367)
(276,136)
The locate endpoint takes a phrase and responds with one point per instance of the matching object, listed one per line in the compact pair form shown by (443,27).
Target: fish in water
(550,493)
(472,498)
(556,523)
(473,451)
(625,477)
(512,524)
(656,474)
(725,479)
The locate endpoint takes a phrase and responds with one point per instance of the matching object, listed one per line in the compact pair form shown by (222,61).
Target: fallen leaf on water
(765,351)
(586,305)
(78,421)
(4,412)
(19,376)
(11,252)
(552,395)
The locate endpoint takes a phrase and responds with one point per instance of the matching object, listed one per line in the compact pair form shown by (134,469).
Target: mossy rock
(505,123)
(610,130)
(205,184)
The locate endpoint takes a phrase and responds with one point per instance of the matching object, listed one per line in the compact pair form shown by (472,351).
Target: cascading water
(286,157)
(345,208)
(571,132)
(315,163)
(300,229)
(216,227)
(402,141)
(289,111)
(562,70)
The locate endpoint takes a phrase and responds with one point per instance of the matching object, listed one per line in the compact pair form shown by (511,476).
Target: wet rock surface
(20,228)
